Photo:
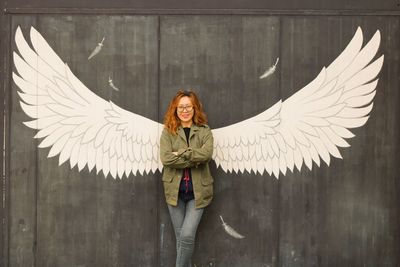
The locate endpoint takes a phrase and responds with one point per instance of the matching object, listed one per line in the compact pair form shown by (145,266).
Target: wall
(344,214)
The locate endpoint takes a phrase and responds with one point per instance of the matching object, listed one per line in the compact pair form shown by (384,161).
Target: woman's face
(185,111)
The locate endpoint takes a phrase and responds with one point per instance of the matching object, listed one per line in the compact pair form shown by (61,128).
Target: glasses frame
(182,109)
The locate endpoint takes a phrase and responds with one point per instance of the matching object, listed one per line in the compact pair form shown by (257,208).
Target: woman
(186,147)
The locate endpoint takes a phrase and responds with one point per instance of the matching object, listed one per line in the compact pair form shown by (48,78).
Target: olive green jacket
(195,156)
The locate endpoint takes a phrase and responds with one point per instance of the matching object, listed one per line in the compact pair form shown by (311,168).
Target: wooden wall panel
(4,85)
(222,59)
(84,219)
(22,181)
(343,215)
(211,5)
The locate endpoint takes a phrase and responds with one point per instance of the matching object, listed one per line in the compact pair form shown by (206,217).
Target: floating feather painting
(270,71)
(86,130)
(111,83)
(97,49)
(229,230)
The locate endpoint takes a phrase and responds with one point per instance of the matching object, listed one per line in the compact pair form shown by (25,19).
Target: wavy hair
(171,119)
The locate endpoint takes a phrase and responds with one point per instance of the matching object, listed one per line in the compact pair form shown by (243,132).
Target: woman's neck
(186,124)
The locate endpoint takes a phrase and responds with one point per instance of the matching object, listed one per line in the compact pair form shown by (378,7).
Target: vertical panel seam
(278,215)
(35,234)
(159,248)
(7,134)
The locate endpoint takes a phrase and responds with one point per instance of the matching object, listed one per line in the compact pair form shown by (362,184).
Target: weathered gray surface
(346,214)
(222,58)
(341,215)
(3,181)
(22,184)
(388,5)
(84,219)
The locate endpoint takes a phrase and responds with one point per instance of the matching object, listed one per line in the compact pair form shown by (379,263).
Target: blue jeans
(185,219)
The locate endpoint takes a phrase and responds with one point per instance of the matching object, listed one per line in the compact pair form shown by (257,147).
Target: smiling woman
(185,111)
(186,147)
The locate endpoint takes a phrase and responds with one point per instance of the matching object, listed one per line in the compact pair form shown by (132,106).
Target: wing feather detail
(312,123)
(74,122)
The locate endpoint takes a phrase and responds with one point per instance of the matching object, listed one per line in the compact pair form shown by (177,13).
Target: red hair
(171,120)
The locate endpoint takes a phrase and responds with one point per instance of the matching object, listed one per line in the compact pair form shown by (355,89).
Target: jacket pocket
(168,178)
(168,175)
(207,180)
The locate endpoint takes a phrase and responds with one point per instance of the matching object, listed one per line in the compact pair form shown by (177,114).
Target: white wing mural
(76,123)
(309,125)
(85,129)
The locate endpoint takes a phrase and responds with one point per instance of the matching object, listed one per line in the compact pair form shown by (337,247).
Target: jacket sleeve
(179,160)
(204,153)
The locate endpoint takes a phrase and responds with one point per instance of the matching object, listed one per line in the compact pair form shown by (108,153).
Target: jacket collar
(193,129)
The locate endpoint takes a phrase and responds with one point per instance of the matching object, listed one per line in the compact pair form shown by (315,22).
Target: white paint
(87,130)
(270,71)
(229,230)
(97,49)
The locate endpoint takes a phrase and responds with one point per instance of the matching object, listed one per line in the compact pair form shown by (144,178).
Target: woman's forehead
(185,101)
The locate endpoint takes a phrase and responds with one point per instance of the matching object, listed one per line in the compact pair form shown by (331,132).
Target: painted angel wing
(76,123)
(309,125)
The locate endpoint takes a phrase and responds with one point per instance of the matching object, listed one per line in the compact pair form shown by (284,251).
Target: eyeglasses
(182,108)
